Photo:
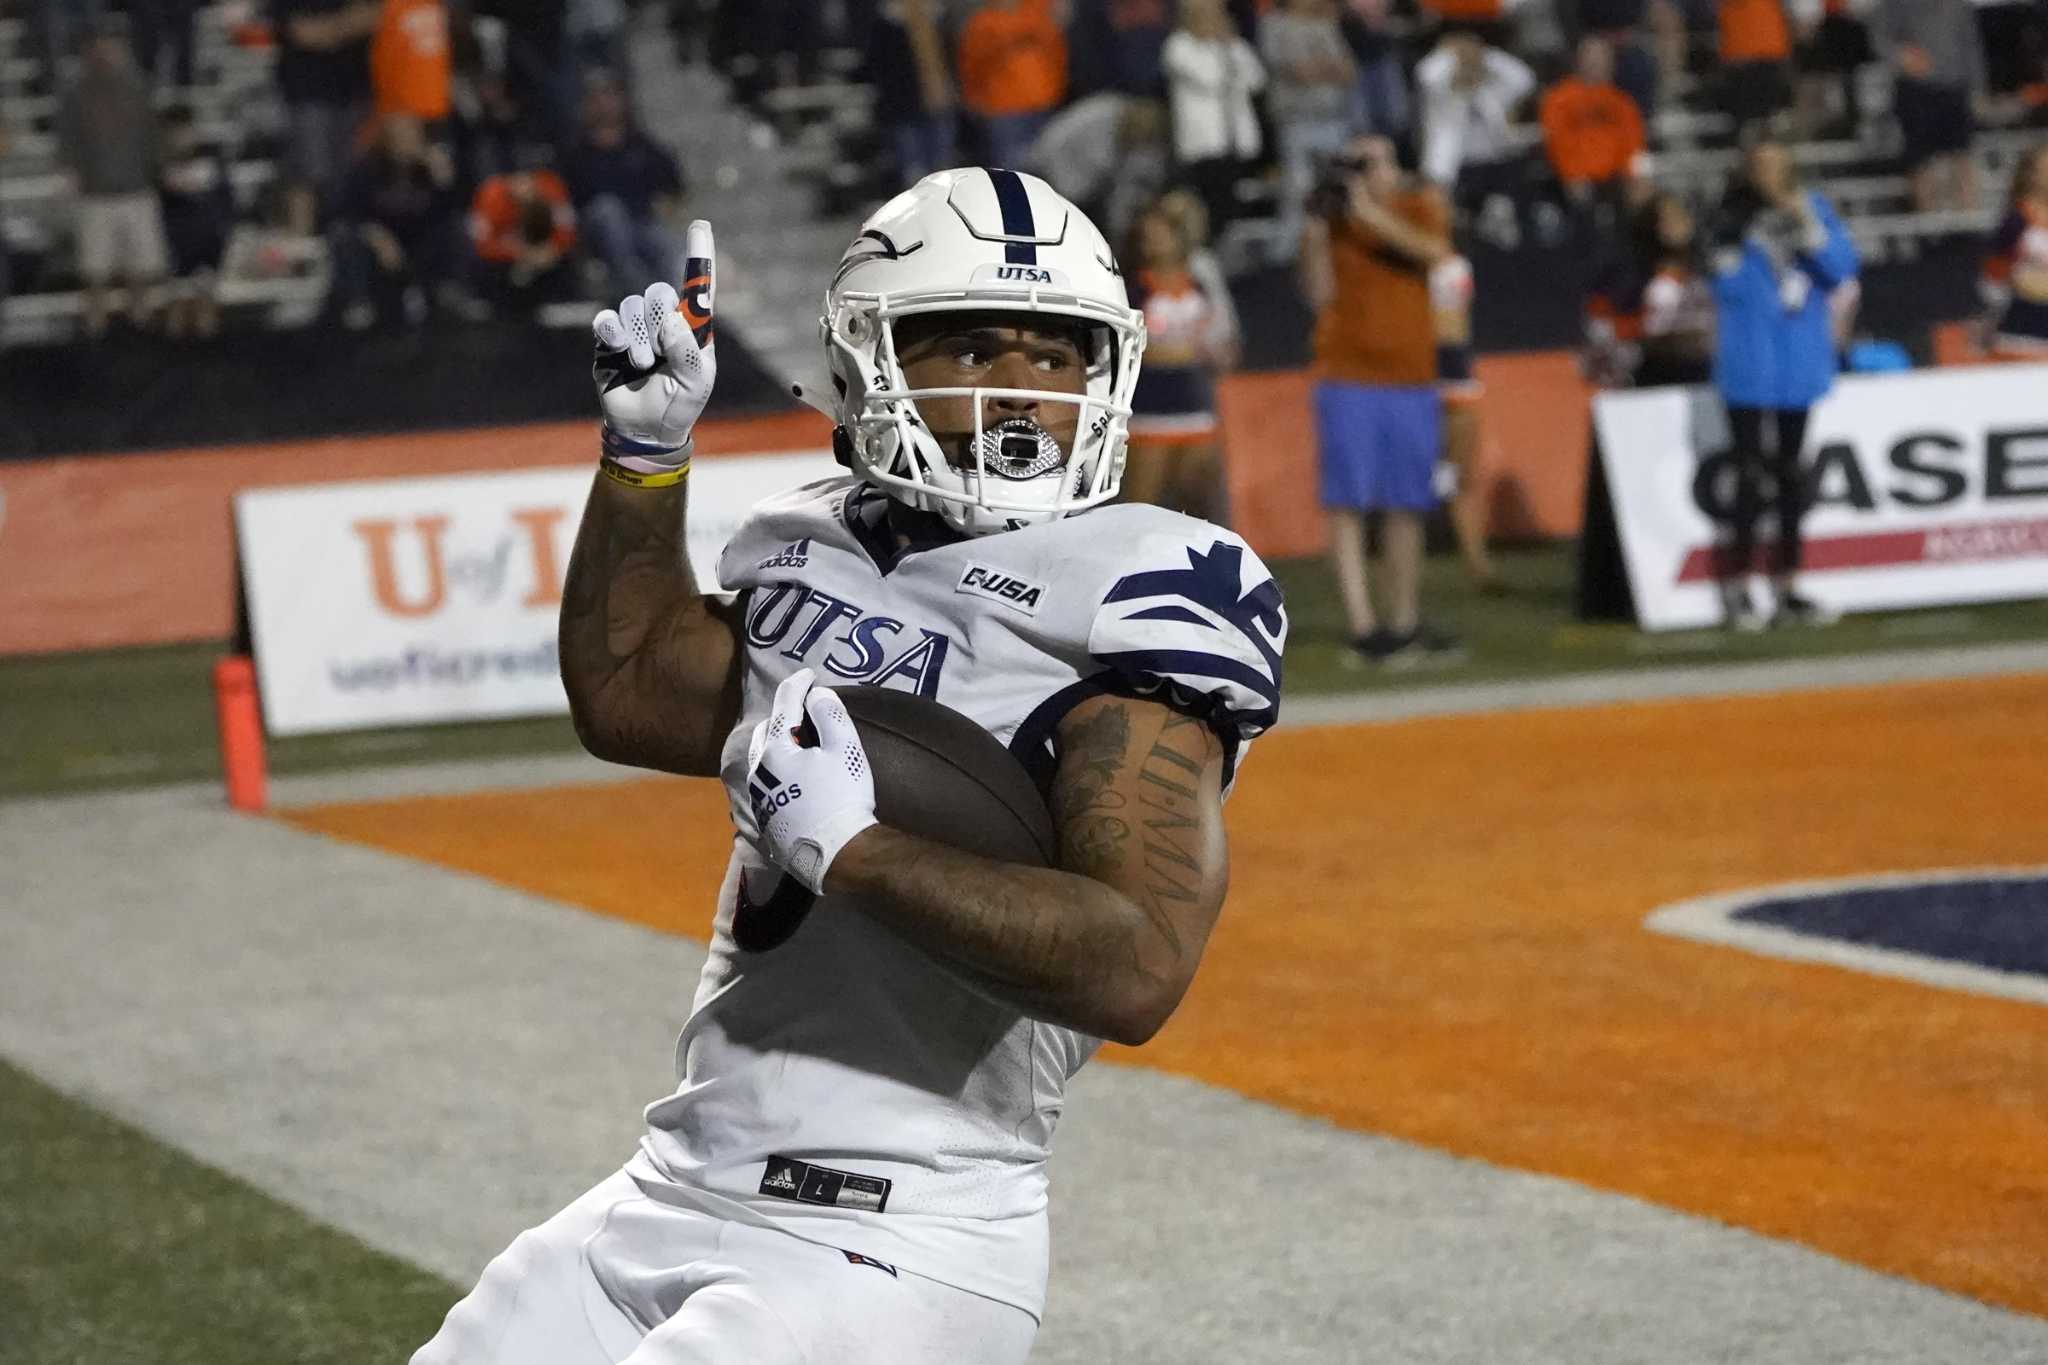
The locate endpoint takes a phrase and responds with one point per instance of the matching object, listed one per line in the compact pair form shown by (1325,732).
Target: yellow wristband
(633,478)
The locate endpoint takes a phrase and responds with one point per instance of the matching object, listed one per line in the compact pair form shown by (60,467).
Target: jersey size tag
(1008,589)
(788,1178)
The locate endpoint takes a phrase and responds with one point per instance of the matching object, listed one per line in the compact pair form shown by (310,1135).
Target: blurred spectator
(1174,459)
(906,56)
(1650,320)
(538,62)
(627,191)
(1117,45)
(1370,244)
(108,140)
(596,31)
(1756,51)
(323,73)
(1013,74)
(411,61)
(1184,209)
(1470,93)
(199,212)
(399,235)
(1829,55)
(1108,154)
(1463,397)
(1382,100)
(494,130)
(1593,133)
(163,28)
(1622,23)
(1941,80)
(1780,253)
(2015,280)
(523,227)
(1211,75)
(1311,82)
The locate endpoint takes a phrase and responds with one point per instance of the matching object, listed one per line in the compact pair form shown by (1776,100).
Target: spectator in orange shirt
(1366,260)
(523,227)
(1487,18)
(1756,51)
(1592,132)
(409,60)
(1013,74)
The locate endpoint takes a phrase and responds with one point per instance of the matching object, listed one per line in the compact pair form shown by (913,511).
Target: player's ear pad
(937,775)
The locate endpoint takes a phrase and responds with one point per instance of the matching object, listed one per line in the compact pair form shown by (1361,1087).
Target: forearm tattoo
(640,654)
(628,565)
(1097,821)
(1092,830)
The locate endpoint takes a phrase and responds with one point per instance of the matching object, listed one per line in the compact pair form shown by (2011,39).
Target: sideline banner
(413,601)
(1926,488)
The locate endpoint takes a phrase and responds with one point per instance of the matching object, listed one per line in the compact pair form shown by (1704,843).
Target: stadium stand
(773,117)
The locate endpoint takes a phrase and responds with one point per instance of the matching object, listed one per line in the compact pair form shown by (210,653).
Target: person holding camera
(1779,254)
(1366,256)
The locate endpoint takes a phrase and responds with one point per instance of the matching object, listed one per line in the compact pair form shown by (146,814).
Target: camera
(1331,194)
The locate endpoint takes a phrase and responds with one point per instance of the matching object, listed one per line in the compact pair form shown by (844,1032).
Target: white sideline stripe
(1665,684)
(1710,919)
(466,776)
(452,777)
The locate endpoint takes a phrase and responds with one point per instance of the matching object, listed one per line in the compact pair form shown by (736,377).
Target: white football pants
(620,1279)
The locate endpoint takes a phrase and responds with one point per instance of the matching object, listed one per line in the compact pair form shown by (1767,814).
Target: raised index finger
(698,283)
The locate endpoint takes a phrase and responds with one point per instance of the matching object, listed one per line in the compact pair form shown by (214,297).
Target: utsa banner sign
(410,601)
(1925,488)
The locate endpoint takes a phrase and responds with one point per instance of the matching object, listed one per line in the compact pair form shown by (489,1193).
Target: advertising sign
(411,601)
(1925,488)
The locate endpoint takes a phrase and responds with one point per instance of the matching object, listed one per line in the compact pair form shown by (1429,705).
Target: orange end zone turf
(1435,932)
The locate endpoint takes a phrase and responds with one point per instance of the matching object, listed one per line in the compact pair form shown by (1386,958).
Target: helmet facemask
(1011,471)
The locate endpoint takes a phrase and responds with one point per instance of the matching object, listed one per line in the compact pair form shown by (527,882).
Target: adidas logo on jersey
(1011,591)
(795,555)
(780,1178)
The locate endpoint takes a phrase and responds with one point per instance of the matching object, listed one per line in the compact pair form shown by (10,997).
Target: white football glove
(806,802)
(655,365)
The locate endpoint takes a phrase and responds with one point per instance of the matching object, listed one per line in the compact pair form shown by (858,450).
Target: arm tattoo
(645,656)
(1091,831)
(625,567)
(1096,821)
(1170,775)
(1107,942)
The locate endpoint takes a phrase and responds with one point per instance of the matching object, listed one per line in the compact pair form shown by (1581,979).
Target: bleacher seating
(815,164)
(236,112)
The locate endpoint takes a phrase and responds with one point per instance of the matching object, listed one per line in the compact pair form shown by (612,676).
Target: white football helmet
(986,241)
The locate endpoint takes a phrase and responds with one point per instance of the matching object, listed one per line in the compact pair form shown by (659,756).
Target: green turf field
(123,717)
(121,1250)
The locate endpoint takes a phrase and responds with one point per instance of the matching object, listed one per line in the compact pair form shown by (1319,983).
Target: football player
(852,1167)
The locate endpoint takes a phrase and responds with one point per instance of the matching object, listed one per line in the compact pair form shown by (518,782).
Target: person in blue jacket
(1780,252)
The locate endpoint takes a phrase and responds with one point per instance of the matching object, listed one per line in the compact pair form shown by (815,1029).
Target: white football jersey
(841,1084)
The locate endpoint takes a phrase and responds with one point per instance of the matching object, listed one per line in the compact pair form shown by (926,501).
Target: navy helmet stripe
(1015,202)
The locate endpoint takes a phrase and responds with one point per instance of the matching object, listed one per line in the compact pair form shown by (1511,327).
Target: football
(937,775)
